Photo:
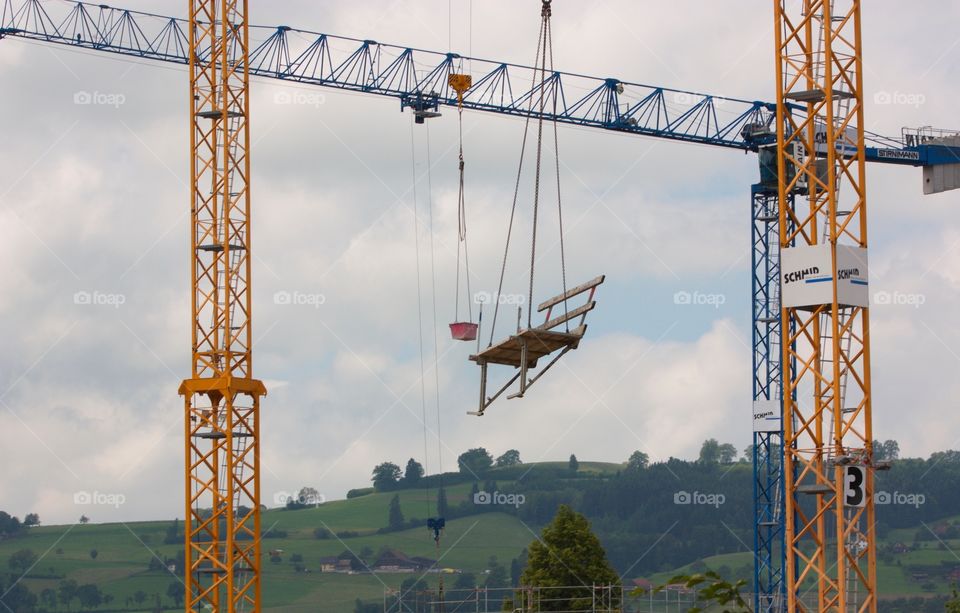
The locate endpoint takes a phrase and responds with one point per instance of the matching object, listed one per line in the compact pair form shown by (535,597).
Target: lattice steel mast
(830,540)
(222,399)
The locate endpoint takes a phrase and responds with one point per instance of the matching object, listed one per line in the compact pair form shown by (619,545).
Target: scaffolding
(559,599)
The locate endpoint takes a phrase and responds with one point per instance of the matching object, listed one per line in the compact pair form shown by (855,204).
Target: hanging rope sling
(524,349)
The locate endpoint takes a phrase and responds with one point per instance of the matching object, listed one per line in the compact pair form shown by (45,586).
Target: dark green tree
(93,554)
(139,597)
(17,598)
(568,554)
(887,450)
(67,591)
(638,461)
(385,476)
(395,519)
(891,450)
(89,596)
(22,560)
(49,598)
(710,452)
(573,464)
(878,450)
(309,497)
(413,473)
(510,458)
(32,519)
(475,461)
(727,453)
(9,525)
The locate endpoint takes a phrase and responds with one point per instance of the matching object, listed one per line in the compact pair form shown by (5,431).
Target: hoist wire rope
(516,194)
(416,240)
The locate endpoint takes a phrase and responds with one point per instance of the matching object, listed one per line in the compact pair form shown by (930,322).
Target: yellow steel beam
(831,547)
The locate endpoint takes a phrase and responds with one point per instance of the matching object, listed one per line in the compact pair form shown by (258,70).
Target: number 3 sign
(854,486)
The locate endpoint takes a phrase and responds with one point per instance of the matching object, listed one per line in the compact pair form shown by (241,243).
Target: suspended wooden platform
(535,342)
(524,349)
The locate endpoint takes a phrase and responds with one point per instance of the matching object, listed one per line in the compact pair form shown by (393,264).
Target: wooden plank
(564,338)
(577,312)
(570,293)
(509,353)
(539,344)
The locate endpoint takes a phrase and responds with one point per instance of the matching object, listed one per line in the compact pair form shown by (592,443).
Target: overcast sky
(94,198)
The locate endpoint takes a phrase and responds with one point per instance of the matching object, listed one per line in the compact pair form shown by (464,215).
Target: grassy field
(124,552)
(363,514)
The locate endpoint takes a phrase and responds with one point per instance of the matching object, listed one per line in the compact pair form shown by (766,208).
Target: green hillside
(629,509)
(124,551)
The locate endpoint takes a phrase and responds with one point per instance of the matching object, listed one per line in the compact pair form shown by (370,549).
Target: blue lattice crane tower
(768,542)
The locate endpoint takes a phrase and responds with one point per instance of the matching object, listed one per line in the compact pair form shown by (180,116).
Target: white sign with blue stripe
(807,274)
(766,416)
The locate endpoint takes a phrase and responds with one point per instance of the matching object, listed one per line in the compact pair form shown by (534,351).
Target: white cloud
(94,199)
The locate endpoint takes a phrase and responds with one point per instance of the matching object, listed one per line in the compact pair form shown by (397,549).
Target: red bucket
(463,331)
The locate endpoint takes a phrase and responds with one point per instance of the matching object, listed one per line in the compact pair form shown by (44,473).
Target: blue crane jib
(419,79)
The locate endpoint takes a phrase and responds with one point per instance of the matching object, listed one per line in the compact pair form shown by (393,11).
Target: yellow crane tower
(222,399)
(828,459)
